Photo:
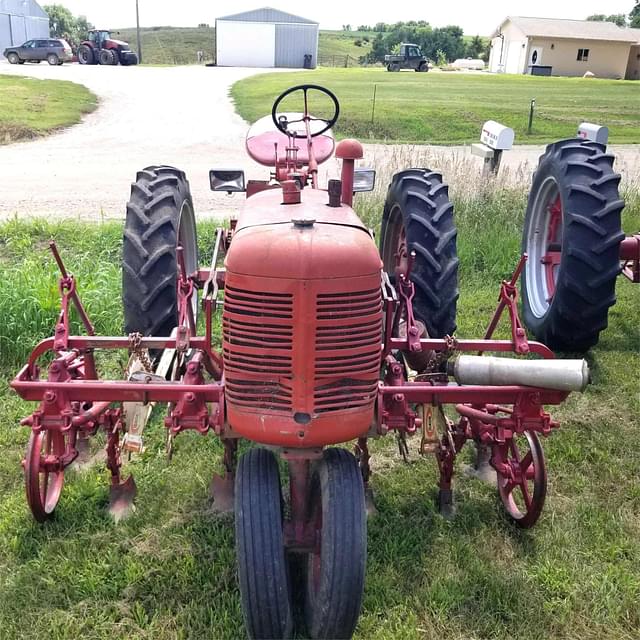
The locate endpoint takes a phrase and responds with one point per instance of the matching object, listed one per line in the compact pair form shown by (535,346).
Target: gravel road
(180,116)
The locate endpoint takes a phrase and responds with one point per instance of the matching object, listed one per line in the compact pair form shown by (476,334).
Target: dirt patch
(10,132)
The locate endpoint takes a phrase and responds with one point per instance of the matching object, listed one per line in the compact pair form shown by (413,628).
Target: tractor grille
(258,336)
(348,336)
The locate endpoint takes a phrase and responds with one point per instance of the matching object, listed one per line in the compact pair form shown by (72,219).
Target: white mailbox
(497,136)
(593,132)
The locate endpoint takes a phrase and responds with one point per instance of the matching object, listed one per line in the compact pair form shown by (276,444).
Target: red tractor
(326,340)
(101,48)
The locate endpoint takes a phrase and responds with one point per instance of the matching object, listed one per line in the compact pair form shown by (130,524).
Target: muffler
(561,375)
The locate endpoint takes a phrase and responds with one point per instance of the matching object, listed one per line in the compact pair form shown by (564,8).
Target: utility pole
(138,32)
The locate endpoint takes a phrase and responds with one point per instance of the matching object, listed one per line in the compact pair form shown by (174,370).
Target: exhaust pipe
(561,375)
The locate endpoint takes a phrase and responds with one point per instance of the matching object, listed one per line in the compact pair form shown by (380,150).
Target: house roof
(635,33)
(267,14)
(577,29)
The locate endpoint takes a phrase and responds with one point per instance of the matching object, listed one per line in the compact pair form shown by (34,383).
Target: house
(21,20)
(549,46)
(266,38)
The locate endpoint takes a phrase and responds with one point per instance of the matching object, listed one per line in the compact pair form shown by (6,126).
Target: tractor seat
(263,137)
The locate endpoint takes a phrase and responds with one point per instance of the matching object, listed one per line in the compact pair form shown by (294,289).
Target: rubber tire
(106,57)
(333,610)
(591,237)
(13,58)
(263,571)
(149,265)
(53,60)
(428,219)
(90,55)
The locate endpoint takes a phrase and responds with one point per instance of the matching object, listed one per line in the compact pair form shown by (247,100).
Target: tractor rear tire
(263,570)
(335,573)
(419,215)
(160,216)
(566,301)
(86,55)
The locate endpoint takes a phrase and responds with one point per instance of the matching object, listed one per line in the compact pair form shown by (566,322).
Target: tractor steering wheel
(282,123)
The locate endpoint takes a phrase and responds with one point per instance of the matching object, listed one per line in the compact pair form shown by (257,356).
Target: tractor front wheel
(418,216)
(263,570)
(86,55)
(336,569)
(572,234)
(160,217)
(107,57)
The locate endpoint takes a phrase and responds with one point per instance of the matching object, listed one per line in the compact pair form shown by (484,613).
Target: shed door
(514,57)
(18,30)
(245,44)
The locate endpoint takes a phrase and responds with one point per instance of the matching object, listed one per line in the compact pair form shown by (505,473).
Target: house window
(583,55)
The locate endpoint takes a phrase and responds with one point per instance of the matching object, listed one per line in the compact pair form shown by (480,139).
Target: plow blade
(121,498)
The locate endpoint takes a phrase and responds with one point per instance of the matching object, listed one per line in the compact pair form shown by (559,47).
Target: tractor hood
(306,241)
(118,43)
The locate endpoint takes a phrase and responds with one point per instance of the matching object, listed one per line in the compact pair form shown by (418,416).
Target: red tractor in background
(101,48)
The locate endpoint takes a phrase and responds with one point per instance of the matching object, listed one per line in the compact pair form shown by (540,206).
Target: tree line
(441,44)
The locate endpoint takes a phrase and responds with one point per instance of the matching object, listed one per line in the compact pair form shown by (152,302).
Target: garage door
(245,44)
(514,57)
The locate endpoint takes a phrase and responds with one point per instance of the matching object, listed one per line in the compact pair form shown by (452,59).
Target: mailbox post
(494,139)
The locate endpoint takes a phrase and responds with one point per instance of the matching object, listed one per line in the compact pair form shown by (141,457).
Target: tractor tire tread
(428,217)
(585,287)
(262,563)
(149,250)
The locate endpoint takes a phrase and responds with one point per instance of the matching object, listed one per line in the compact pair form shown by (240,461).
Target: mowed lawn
(450,108)
(30,108)
(170,570)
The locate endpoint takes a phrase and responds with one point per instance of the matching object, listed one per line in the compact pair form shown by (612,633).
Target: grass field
(450,108)
(175,45)
(169,571)
(31,108)
(172,45)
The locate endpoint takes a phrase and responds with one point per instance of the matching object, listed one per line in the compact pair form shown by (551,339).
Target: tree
(63,24)
(475,47)
(618,18)
(634,15)
(346,27)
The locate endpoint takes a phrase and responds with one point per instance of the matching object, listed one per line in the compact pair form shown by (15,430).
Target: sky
(474,17)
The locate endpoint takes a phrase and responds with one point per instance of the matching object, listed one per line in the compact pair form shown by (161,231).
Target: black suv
(54,51)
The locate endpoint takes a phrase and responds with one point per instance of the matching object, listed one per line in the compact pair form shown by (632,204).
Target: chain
(136,348)
(442,356)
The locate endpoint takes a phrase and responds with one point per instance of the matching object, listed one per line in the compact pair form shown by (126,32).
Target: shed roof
(23,8)
(267,14)
(635,33)
(577,29)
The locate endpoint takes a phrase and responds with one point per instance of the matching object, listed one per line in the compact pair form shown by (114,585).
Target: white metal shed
(266,38)
(21,20)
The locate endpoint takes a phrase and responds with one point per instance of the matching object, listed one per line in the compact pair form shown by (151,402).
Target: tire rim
(544,247)
(44,487)
(523,494)
(395,245)
(187,240)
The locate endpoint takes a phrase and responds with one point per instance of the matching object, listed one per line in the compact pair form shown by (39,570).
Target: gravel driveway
(147,115)
(180,116)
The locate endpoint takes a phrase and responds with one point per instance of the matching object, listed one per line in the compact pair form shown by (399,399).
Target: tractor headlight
(364,180)
(229,180)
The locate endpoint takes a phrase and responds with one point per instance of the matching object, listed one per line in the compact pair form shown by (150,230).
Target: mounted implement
(323,343)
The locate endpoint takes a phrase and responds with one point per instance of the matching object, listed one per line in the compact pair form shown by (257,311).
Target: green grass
(445,108)
(179,45)
(339,44)
(31,108)
(171,45)
(169,571)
